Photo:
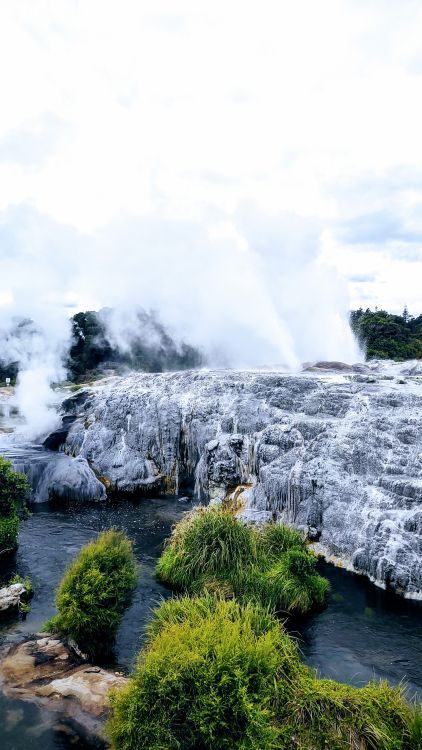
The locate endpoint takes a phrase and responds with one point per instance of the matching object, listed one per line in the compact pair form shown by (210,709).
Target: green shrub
(211,550)
(13,488)
(13,492)
(95,590)
(9,531)
(326,714)
(218,674)
(206,679)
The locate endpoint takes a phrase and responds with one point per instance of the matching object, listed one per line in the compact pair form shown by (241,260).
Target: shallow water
(362,633)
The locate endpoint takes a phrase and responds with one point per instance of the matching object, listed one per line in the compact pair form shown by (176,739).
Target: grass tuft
(222,675)
(95,591)
(207,679)
(325,714)
(213,551)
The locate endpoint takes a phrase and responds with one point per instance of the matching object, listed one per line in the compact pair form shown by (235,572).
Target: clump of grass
(206,543)
(24,606)
(9,530)
(206,679)
(212,550)
(26,583)
(95,591)
(195,609)
(415,729)
(326,714)
(219,674)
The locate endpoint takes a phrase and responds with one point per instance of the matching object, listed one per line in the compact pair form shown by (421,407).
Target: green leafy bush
(13,488)
(211,550)
(95,590)
(206,679)
(13,492)
(9,530)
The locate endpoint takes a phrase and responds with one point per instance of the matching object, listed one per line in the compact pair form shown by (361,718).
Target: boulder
(46,670)
(10,598)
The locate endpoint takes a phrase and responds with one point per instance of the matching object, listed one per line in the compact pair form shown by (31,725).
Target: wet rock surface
(47,671)
(11,598)
(336,453)
(54,476)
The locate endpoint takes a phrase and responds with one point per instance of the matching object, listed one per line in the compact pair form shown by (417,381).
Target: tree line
(384,335)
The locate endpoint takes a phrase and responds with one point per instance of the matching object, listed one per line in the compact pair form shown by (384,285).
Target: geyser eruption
(248,290)
(38,354)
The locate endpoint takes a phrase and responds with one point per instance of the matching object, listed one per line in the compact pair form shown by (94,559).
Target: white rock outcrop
(337,453)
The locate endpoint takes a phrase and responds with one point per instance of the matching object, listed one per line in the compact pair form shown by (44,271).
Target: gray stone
(337,453)
(10,598)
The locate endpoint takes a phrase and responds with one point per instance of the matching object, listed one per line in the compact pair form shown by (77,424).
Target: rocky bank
(335,451)
(47,671)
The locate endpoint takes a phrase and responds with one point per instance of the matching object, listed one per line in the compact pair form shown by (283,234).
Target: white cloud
(260,122)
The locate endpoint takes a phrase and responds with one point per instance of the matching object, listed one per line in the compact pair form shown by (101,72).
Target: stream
(363,633)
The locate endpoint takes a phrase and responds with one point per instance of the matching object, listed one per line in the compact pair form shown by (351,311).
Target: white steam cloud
(248,290)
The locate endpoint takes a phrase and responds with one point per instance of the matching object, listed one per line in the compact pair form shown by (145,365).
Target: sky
(222,156)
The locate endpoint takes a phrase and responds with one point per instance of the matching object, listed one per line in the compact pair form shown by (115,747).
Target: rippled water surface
(362,633)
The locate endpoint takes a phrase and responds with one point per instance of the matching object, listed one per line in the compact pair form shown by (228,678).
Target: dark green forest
(387,336)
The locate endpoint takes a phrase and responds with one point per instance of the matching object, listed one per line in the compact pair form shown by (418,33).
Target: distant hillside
(387,336)
(149,347)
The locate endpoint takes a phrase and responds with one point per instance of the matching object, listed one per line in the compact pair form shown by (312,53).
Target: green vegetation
(216,674)
(152,349)
(416,726)
(205,680)
(13,492)
(386,336)
(24,606)
(323,714)
(26,582)
(95,591)
(211,550)
(9,531)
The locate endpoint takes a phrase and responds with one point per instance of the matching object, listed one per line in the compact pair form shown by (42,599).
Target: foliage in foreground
(205,680)
(217,675)
(95,591)
(211,550)
(13,491)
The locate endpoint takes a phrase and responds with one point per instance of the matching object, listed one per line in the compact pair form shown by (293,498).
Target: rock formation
(11,598)
(337,453)
(47,671)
